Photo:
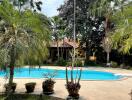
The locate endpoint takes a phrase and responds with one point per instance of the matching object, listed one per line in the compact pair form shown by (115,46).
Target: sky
(49,7)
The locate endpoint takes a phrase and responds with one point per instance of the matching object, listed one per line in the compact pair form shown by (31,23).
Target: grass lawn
(28,97)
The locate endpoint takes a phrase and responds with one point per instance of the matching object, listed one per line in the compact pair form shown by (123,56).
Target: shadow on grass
(28,97)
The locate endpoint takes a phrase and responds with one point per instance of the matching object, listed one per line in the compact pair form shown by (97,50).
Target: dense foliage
(122,35)
(35,5)
(89,29)
(22,35)
(95,22)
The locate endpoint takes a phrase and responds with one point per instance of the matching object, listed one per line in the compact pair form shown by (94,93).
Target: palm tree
(20,34)
(40,53)
(32,4)
(122,35)
(59,28)
(107,46)
(106,8)
(55,20)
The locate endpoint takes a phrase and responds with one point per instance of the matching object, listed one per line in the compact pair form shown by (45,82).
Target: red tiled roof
(64,43)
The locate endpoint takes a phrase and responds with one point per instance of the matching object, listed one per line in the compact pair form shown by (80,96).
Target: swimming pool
(60,74)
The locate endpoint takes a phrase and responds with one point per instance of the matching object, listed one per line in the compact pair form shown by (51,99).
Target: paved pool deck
(90,90)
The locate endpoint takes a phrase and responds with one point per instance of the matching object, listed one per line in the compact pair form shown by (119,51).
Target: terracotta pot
(48,86)
(73,90)
(30,87)
(13,87)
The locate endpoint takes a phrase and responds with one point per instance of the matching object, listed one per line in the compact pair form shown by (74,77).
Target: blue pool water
(60,74)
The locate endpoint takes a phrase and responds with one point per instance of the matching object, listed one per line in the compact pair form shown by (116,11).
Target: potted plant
(73,86)
(11,87)
(30,87)
(48,84)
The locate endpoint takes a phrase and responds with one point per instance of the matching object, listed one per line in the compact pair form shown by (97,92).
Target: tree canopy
(122,35)
(25,32)
(89,29)
(30,4)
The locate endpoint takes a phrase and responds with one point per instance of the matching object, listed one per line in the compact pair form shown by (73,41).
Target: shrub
(114,64)
(90,63)
(69,63)
(78,63)
(124,66)
(61,62)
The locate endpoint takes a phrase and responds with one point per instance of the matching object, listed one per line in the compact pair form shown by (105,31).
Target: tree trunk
(11,66)
(11,75)
(106,25)
(87,55)
(108,59)
(58,50)
(88,50)
(63,49)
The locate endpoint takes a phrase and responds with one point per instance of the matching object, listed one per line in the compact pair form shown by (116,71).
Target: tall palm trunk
(63,49)
(107,27)
(58,54)
(108,58)
(12,63)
